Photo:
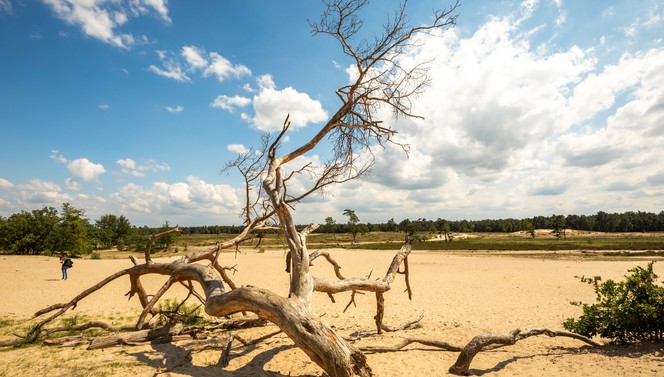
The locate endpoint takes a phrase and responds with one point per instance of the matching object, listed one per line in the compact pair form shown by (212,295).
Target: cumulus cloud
(195,59)
(85,169)
(522,128)
(102,19)
(171,67)
(222,68)
(72,184)
(80,168)
(38,192)
(230,103)
(192,196)
(131,167)
(271,107)
(237,148)
(5,184)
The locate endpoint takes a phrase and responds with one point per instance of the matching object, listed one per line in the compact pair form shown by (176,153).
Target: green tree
(408,228)
(391,226)
(558,225)
(111,230)
(166,241)
(443,228)
(29,233)
(330,226)
(71,232)
(352,222)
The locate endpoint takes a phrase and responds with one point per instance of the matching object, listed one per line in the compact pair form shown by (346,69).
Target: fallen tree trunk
(492,341)
(134,337)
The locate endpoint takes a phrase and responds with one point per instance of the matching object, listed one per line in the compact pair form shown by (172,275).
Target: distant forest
(49,231)
(600,222)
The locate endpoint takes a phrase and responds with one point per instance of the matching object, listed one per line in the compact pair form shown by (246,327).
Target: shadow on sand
(633,350)
(178,359)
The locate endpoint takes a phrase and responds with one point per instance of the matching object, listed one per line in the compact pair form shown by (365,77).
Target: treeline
(600,222)
(49,231)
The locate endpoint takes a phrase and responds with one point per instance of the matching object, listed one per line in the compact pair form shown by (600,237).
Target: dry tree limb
(492,341)
(402,326)
(154,238)
(326,255)
(242,323)
(135,337)
(82,327)
(68,341)
(407,341)
(148,308)
(225,358)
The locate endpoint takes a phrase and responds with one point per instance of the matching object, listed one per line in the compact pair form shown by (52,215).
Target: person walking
(66,264)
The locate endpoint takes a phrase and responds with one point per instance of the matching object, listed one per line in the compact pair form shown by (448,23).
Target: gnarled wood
(493,341)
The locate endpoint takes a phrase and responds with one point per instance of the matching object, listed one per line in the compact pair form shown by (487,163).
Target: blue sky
(133,106)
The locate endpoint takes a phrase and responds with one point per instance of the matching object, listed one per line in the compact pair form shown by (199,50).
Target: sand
(460,296)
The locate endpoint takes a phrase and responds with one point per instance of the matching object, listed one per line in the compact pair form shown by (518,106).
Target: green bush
(175,311)
(627,311)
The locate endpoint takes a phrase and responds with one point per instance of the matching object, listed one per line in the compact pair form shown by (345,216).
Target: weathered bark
(364,284)
(493,341)
(408,341)
(322,344)
(134,337)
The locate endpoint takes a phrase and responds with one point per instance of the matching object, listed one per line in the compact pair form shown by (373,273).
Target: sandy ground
(459,296)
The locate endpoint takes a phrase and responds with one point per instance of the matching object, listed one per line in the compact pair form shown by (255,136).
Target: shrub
(95,255)
(627,311)
(174,311)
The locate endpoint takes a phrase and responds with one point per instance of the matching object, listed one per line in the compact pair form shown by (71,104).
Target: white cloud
(271,107)
(519,130)
(72,184)
(104,106)
(41,193)
(193,56)
(172,68)
(230,103)
(193,59)
(176,109)
(237,148)
(158,6)
(5,184)
(85,169)
(80,168)
(101,19)
(194,196)
(265,82)
(130,167)
(221,68)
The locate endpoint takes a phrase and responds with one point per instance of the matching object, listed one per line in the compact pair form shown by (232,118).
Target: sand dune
(459,296)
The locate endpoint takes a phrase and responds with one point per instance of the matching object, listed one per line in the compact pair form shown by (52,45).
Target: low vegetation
(626,311)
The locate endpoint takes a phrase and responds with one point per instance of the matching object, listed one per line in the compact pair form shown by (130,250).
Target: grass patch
(653,245)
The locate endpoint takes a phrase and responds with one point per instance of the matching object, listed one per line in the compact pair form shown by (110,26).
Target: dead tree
(380,80)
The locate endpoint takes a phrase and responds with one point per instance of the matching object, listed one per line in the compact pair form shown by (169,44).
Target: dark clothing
(66,263)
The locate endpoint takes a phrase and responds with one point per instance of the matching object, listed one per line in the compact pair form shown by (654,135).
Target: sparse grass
(7,322)
(654,244)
